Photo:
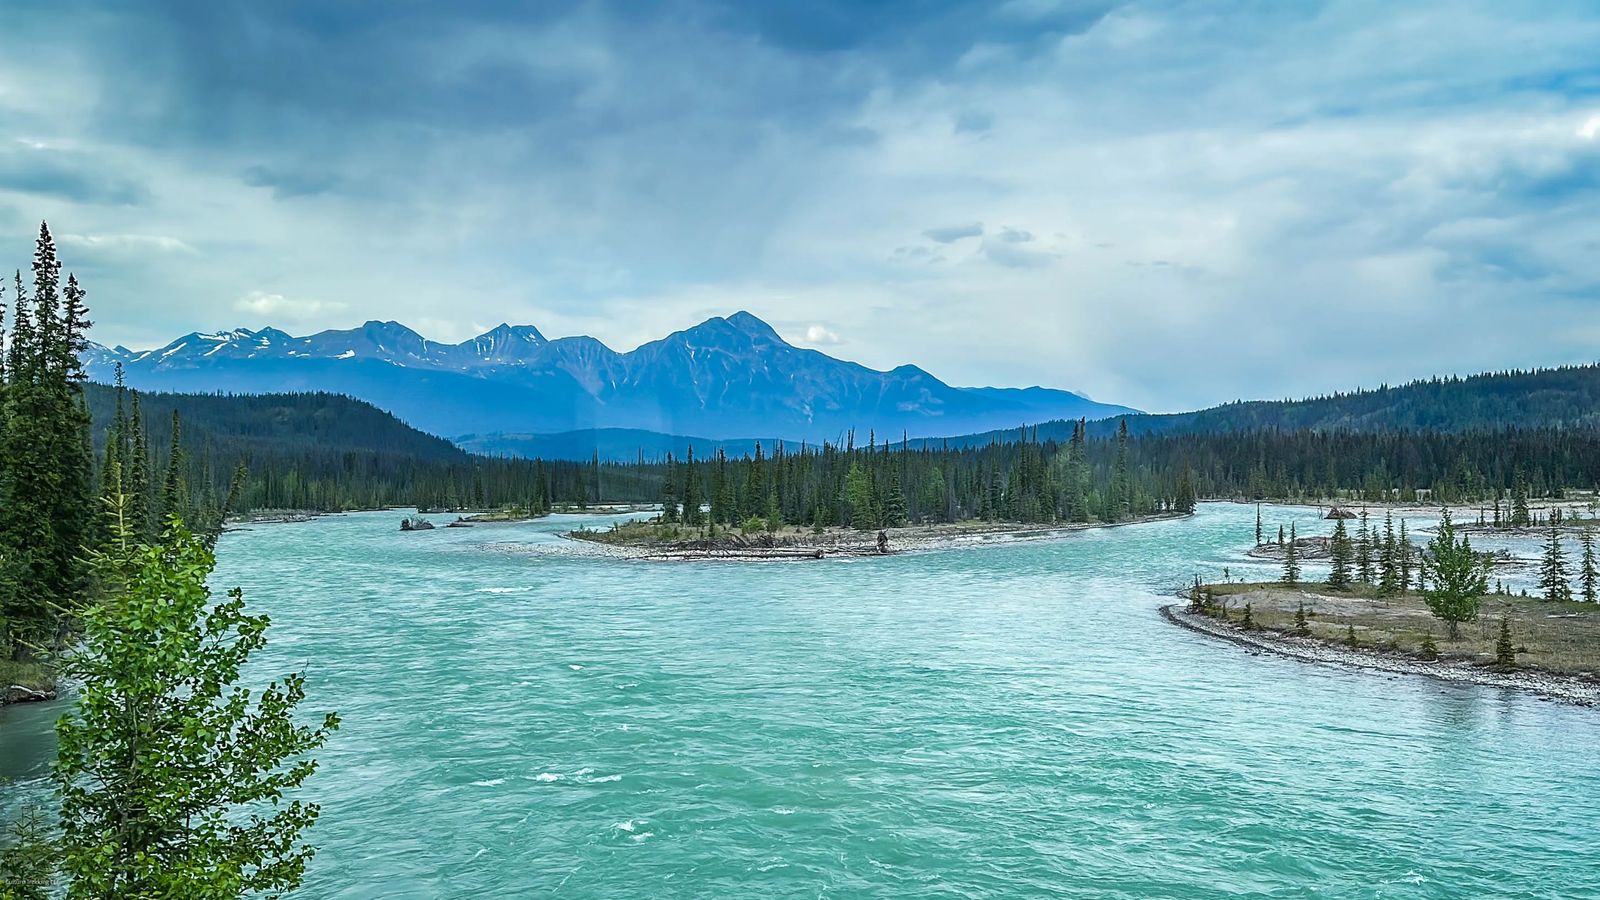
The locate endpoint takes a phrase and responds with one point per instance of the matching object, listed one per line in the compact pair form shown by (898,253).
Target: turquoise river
(1005,721)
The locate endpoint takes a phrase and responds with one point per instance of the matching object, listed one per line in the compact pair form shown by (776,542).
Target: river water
(1000,721)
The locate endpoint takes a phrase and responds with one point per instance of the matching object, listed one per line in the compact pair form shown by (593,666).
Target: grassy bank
(1559,638)
(33,676)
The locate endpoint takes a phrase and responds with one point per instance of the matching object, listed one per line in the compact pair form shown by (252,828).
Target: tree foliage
(1459,578)
(173,775)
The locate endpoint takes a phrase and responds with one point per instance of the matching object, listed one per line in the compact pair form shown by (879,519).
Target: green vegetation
(172,776)
(1562,638)
(46,510)
(1563,398)
(1505,652)
(1459,578)
(1291,559)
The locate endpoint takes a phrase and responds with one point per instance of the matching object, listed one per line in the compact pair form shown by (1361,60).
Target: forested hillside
(1566,397)
(326,452)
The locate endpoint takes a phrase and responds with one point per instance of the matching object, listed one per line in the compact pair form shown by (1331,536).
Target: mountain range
(724,378)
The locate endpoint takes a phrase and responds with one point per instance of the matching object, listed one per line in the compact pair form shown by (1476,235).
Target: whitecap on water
(489,782)
(547,777)
(575,667)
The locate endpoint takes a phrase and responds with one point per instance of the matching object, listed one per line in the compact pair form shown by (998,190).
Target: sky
(1162,204)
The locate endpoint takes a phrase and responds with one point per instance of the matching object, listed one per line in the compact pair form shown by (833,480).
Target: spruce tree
(1258,524)
(136,468)
(174,493)
(1291,560)
(693,515)
(1405,550)
(1364,550)
(1505,652)
(1388,563)
(1302,627)
(1341,553)
(1588,578)
(894,511)
(1553,569)
(1428,649)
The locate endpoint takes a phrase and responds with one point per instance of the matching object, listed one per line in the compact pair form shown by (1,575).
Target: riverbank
(26,682)
(1558,645)
(654,541)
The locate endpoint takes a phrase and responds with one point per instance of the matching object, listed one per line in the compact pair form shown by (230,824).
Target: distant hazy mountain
(724,378)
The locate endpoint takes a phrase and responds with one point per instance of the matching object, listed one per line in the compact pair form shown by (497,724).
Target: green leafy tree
(172,782)
(1459,579)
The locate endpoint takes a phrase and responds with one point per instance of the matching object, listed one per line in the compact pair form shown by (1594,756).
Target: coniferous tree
(1258,524)
(1388,559)
(46,514)
(894,510)
(1302,627)
(1588,577)
(1505,652)
(1291,560)
(174,493)
(692,513)
(137,475)
(1364,550)
(1405,550)
(1428,649)
(1340,552)
(1553,569)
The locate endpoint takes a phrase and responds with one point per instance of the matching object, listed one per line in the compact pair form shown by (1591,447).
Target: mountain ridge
(724,378)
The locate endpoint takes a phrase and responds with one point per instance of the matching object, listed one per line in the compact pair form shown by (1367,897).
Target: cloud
(1010,253)
(818,335)
(290,184)
(973,121)
(1266,178)
(35,168)
(951,233)
(278,307)
(125,243)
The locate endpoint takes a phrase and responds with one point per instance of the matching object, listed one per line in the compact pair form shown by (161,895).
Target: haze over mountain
(725,378)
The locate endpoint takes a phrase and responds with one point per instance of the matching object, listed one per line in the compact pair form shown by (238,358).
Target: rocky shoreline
(1568,689)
